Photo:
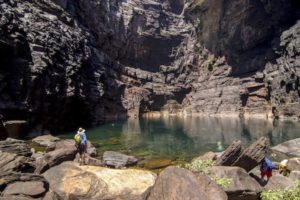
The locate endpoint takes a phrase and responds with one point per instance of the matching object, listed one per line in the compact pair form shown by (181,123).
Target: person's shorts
(267,173)
(81,148)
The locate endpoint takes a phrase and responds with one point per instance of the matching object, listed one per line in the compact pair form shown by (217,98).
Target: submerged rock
(178,184)
(242,186)
(118,160)
(85,182)
(157,164)
(253,155)
(231,154)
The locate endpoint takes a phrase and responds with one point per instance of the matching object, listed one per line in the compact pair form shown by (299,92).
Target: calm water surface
(180,139)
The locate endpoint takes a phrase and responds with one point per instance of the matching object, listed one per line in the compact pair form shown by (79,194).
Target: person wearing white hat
(81,144)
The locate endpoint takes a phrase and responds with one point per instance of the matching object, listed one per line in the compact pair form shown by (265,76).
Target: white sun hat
(81,130)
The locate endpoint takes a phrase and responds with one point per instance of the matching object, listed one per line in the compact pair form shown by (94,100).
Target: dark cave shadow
(247,53)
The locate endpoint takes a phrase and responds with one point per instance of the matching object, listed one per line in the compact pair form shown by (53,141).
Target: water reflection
(193,135)
(186,137)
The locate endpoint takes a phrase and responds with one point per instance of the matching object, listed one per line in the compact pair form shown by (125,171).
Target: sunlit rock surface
(87,182)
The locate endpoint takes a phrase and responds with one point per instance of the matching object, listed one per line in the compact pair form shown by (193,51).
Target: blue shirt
(83,139)
(267,164)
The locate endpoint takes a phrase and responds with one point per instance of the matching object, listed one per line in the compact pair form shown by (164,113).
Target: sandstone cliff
(67,63)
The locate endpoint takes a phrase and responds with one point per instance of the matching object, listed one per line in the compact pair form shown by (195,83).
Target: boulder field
(55,175)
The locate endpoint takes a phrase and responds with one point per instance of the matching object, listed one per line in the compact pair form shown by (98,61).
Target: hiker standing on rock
(81,144)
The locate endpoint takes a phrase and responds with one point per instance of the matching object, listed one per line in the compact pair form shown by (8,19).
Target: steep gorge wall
(69,63)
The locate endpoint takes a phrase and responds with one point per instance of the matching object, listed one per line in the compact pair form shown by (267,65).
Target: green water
(179,139)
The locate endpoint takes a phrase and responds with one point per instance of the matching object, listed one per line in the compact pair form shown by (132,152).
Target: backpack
(269,164)
(77,138)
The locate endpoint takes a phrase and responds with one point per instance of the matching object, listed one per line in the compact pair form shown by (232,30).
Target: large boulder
(289,148)
(10,162)
(293,164)
(54,158)
(118,160)
(253,155)
(15,128)
(231,154)
(294,175)
(18,147)
(69,143)
(23,186)
(242,186)
(177,184)
(85,182)
(45,140)
(276,182)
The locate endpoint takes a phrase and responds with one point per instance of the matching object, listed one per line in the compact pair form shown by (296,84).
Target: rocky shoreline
(55,174)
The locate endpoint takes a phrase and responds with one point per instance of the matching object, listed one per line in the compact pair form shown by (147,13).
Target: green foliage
(211,63)
(200,166)
(290,194)
(203,167)
(222,182)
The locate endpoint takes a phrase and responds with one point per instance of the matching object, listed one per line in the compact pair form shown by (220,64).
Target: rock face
(253,155)
(18,147)
(231,154)
(82,62)
(174,183)
(17,186)
(294,164)
(289,148)
(13,163)
(54,158)
(242,186)
(85,182)
(118,160)
(46,140)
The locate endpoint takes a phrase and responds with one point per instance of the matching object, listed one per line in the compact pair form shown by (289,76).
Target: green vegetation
(289,194)
(203,167)
(200,166)
(211,63)
(37,147)
(222,182)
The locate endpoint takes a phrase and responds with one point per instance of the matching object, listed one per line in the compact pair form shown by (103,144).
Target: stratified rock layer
(253,155)
(231,154)
(69,63)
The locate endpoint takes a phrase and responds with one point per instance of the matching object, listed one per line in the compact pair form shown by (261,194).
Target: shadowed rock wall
(68,63)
